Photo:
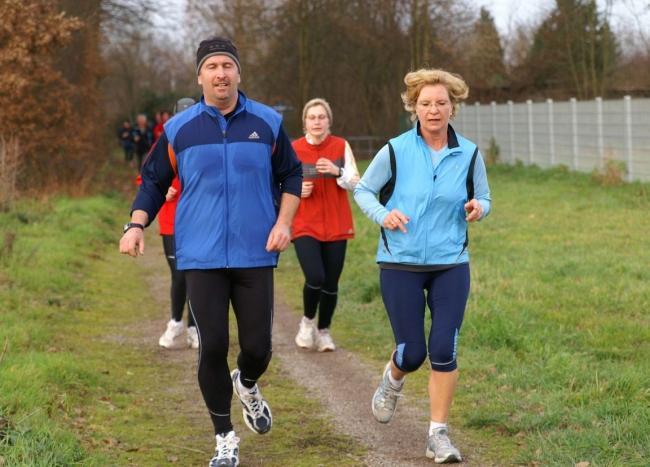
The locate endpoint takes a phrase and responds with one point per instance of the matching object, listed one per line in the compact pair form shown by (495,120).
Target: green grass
(555,348)
(78,386)
(554,352)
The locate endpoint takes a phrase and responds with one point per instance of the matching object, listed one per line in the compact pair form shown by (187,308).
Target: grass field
(554,352)
(555,349)
(75,389)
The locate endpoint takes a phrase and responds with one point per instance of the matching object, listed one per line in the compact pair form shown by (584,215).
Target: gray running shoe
(440,449)
(324,341)
(226,453)
(385,399)
(256,411)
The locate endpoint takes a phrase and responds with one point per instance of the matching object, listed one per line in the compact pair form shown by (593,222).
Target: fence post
(477,108)
(551,130)
(511,130)
(574,131)
(627,105)
(529,104)
(599,124)
(494,120)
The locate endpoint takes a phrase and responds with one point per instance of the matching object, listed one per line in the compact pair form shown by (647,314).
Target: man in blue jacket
(241,184)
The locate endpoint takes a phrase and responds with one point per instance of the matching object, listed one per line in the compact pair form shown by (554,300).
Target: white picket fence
(582,135)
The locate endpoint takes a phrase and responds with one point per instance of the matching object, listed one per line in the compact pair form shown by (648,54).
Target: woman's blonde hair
(313,103)
(416,80)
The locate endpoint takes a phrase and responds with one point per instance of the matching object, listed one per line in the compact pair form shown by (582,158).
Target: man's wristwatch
(131,225)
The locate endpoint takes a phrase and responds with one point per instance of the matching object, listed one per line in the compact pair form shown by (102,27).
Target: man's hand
(474,210)
(132,242)
(279,238)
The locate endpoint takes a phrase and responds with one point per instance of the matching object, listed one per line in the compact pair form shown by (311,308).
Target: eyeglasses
(430,105)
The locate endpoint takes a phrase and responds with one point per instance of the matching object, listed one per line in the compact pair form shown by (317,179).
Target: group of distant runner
(136,139)
(232,191)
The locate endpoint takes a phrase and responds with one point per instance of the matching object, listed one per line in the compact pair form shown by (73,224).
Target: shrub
(493,154)
(612,173)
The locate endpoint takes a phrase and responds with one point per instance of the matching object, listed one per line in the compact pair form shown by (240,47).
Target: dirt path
(338,380)
(344,385)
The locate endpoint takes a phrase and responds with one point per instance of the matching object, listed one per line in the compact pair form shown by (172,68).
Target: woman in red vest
(323,223)
(174,335)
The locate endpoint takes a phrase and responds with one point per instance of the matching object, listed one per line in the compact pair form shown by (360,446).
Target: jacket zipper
(225,165)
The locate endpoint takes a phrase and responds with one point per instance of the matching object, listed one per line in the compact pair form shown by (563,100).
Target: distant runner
(174,336)
(323,223)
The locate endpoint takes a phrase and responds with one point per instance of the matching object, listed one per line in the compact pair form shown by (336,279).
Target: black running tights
(178,288)
(251,293)
(322,264)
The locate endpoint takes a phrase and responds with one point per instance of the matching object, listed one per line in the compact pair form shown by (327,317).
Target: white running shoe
(226,454)
(306,331)
(324,342)
(256,411)
(192,337)
(173,337)
(440,449)
(384,401)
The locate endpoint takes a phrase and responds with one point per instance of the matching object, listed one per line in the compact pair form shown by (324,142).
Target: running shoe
(173,337)
(226,454)
(384,401)
(440,449)
(256,411)
(324,342)
(306,331)
(192,337)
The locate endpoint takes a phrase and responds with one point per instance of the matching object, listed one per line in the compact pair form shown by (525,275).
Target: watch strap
(132,225)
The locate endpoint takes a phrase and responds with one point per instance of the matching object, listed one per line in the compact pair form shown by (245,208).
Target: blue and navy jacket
(432,196)
(232,173)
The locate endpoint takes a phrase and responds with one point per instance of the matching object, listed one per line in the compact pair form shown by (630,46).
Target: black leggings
(251,293)
(322,264)
(178,288)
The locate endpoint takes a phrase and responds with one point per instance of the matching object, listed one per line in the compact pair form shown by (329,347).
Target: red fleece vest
(326,214)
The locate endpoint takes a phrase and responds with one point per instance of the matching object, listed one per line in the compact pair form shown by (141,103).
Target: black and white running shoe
(226,454)
(256,411)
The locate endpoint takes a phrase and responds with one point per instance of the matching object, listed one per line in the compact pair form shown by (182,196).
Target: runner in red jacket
(174,335)
(323,223)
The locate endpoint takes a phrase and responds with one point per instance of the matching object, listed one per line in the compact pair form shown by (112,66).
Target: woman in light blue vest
(431,182)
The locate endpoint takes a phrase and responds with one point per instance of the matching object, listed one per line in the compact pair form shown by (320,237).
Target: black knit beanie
(216,46)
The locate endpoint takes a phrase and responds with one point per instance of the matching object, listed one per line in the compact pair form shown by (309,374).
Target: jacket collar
(452,139)
(241,105)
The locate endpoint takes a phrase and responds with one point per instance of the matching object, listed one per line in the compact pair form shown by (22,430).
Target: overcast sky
(508,13)
(625,14)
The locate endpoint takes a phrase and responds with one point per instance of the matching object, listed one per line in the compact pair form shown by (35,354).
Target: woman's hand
(171,193)
(395,220)
(307,188)
(474,210)
(326,166)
